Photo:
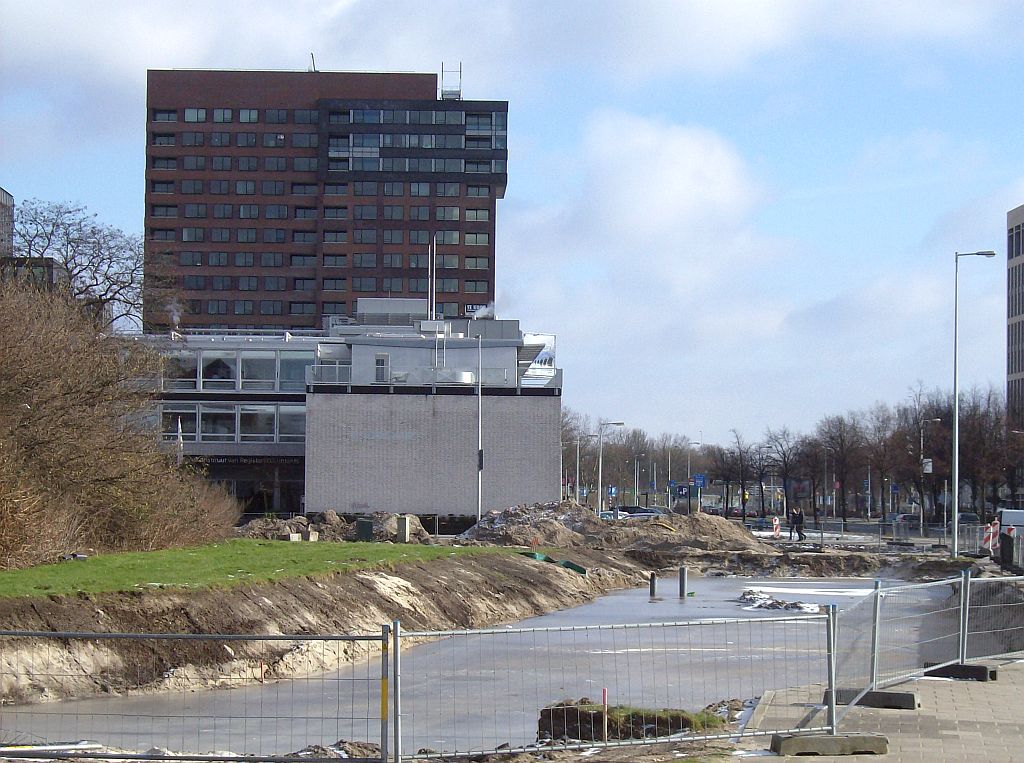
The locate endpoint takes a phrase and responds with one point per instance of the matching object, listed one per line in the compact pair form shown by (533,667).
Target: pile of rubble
(569,524)
(755,598)
(542,524)
(332,528)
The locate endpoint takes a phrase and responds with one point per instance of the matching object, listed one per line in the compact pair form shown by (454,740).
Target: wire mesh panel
(264,697)
(918,626)
(995,619)
(469,692)
(855,651)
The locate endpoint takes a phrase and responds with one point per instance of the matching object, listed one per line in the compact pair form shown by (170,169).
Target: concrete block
(404,534)
(825,744)
(310,535)
(972,672)
(886,700)
(293,537)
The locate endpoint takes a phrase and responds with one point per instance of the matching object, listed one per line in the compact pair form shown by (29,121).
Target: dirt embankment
(467,592)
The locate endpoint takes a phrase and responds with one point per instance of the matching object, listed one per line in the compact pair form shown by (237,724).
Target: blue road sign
(681,490)
(672,483)
(651,484)
(612,491)
(867,484)
(699,480)
(895,489)
(583,492)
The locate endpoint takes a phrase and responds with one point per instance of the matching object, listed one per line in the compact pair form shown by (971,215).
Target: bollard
(654,584)
(683,574)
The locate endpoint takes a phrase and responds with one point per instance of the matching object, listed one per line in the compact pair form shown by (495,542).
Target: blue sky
(733,215)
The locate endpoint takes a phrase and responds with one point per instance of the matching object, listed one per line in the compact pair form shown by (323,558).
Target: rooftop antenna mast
(312,62)
(449,90)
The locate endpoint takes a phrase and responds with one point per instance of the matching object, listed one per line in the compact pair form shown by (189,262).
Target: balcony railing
(419,376)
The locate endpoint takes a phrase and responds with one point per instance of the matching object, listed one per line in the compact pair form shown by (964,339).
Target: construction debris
(329,527)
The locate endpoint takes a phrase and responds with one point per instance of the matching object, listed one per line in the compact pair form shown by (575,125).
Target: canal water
(470,691)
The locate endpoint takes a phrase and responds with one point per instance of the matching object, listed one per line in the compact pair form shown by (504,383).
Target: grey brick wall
(417,453)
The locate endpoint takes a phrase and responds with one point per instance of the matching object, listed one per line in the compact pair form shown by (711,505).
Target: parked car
(910,521)
(966,518)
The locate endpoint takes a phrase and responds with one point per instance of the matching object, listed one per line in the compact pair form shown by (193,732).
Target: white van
(1011,518)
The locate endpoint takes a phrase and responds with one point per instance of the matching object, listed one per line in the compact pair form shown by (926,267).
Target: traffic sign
(681,491)
(583,492)
(612,491)
(895,489)
(652,485)
(699,480)
(867,484)
(672,483)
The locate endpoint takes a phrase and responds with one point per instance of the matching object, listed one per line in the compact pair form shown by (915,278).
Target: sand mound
(569,524)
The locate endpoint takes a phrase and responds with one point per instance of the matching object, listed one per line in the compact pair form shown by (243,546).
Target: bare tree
(99,265)
(761,465)
(783,449)
(843,441)
(742,456)
(880,444)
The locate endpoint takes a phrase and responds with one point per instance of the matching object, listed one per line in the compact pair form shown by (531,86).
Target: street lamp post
(636,479)
(954,551)
(689,446)
(600,460)
(576,490)
(921,425)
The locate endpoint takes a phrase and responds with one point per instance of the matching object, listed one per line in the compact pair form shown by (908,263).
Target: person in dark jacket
(798,523)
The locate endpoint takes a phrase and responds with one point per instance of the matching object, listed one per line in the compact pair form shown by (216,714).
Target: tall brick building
(274,199)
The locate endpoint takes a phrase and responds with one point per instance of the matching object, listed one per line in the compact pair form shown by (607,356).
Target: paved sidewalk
(958,721)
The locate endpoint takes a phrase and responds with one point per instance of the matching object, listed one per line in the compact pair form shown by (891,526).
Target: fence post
(875,633)
(965,608)
(396,633)
(385,657)
(830,636)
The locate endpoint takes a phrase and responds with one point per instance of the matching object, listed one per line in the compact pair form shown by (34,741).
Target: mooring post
(654,584)
(683,573)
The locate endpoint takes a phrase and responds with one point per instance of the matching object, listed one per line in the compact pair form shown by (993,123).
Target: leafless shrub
(80,464)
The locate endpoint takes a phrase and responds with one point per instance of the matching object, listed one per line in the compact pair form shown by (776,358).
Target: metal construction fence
(224,693)
(431,694)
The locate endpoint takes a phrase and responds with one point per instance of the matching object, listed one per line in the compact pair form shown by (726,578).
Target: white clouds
(675,311)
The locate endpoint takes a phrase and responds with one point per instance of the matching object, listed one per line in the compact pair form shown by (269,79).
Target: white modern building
(381,412)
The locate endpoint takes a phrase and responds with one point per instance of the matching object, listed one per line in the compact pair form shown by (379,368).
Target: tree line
(862,463)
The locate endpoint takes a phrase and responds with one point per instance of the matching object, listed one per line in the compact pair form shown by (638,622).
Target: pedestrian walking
(789,521)
(798,523)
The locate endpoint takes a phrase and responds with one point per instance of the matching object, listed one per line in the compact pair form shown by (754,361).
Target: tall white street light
(920,453)
(600,459)
(689,448)
(954,551)
(576,490)
(636,479)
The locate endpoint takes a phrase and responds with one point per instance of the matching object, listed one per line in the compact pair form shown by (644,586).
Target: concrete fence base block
(885,700)
(826,744)
(964,672)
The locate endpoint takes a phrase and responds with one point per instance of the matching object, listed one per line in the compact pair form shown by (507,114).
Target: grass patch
(586,721)
(220,565)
